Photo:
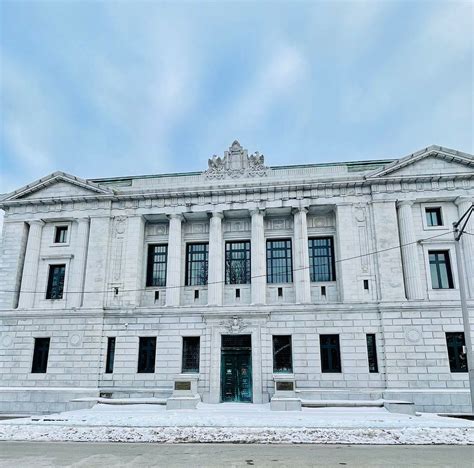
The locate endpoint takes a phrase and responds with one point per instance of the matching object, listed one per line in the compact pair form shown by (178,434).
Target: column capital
(84,220)
(36,222)
(257,211)
(216,214)
(299,209)
(401,203)
(460,200)
(175,216)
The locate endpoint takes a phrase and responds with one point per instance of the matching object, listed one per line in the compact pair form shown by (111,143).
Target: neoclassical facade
(338,277)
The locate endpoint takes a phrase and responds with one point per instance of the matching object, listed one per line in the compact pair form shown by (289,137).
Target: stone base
(285,404)
(174,403)
(402,407)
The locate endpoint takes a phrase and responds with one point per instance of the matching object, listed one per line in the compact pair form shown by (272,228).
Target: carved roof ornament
(236,163)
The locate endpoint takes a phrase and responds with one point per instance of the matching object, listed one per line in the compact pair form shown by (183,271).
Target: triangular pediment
(57,185)
(432,161)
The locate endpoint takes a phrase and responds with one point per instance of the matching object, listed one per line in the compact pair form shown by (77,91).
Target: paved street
(41,455)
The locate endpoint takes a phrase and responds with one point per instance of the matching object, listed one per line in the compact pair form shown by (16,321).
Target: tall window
(60,235)
(456,352)
(55,282)
(156,265)
(330,353)
(279,261)
(440,267)
(237,262)
(196,264)
(321,259)
(40,355)
(372,353)
(109,363)
(191,346)
(146,354)
(433,217)
(282,359)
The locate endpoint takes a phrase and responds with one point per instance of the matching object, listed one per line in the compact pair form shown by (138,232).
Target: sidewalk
(244,423)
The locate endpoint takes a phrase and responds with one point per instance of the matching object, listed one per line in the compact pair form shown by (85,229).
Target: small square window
(60,235)
(433,216)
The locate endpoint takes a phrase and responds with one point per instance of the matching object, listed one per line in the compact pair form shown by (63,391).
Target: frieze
(327,221)
(196,228)
(236,226)
(158,229)
(277,224)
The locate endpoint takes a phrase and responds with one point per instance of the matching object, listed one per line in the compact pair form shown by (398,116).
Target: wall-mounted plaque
(182,385)
(285,386)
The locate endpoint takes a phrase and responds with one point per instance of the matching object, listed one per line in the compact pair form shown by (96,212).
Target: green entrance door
(236,368)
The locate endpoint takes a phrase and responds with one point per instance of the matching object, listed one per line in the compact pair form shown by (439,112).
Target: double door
(236,379)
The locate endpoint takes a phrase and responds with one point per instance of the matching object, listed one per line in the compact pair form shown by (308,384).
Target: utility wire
(252,277)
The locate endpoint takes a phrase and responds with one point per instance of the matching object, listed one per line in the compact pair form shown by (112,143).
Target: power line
(251,277)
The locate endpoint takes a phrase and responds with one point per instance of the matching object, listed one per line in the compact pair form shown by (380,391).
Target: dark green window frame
(279,261)
(191,352)
(109,362)
(457,357)
(40,355)
(157,264)
(372,353)
(146,355)
(330,354)
(440,269)
(237,262)
(197,260)
(322,264)
(282,354)
(433,216)
(56,275)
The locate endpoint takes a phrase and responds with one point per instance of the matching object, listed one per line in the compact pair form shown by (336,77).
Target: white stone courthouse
(325,281)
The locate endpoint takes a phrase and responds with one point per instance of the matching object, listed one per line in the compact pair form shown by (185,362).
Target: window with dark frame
(55,286)
(321,259)
(330,353)
(156,265)
(237,262)
(279,261)
(40,355)
(109,362)
(440,268)
(191,346)
(456,351)
(146,355)
(433,216)
(197,258)
(60,235)
(282,354)
(372,353)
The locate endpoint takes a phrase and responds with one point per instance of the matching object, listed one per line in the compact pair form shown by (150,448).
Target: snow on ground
(239,423)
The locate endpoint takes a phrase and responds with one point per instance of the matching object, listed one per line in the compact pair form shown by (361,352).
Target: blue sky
(102,89)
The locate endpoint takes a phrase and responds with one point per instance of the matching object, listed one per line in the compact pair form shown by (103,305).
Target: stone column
(409,248)
(173,271)
(133,274)
(76,283)
(216,262)
(258,258)
(467,244)
(388,257)
(301,266)
(30,266)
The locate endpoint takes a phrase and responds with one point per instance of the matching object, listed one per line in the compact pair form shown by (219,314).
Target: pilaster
(216,263)
(173,271)
(409,249)
(301,269)
(467,244)
(76,283)
(30,267)
(258,259)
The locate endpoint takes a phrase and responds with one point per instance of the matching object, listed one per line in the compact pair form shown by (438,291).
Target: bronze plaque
(182,385)
(285,386)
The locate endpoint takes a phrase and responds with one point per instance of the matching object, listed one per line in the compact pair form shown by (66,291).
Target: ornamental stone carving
(234,325)
(236,163)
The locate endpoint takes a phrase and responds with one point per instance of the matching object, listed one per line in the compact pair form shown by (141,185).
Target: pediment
(432,161)
(57,185)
